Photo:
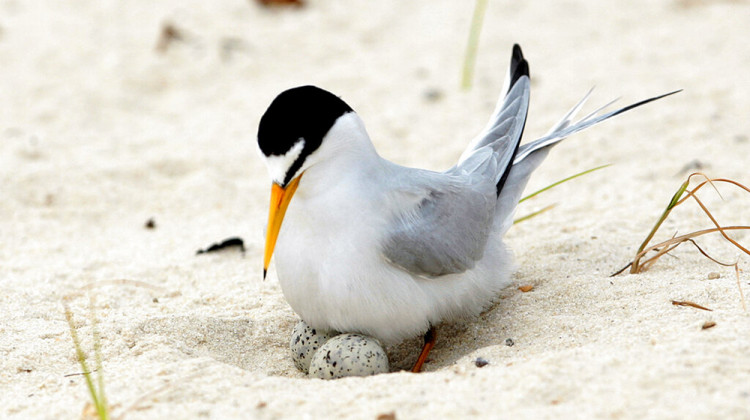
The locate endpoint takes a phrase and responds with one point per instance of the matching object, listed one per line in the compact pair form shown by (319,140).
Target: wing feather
(447,230)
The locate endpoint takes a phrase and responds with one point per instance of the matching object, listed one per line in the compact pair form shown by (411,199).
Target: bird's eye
(282,168)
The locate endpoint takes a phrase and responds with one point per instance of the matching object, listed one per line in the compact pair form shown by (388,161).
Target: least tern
(372,247)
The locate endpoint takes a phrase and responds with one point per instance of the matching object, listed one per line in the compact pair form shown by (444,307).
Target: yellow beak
(280,198)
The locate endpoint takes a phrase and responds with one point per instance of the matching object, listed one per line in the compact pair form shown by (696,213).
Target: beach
(128,143)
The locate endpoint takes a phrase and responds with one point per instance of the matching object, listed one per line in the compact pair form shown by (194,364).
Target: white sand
(99,133)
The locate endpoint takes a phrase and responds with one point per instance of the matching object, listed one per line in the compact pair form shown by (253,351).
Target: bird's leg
(429,343)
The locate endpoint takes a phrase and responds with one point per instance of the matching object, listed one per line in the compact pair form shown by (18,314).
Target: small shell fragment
(708,324)
(349,355)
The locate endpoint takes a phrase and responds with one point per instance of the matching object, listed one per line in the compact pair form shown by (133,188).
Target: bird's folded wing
(446,231)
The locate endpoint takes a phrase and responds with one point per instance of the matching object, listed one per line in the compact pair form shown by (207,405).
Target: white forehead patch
(278,166)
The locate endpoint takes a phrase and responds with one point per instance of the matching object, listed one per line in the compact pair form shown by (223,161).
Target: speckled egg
(305,341)
(349,355)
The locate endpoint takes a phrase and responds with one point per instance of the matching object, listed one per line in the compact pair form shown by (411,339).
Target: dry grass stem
(640,263)
(690,304)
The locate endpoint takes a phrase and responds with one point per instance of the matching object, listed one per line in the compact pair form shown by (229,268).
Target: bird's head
(290,132)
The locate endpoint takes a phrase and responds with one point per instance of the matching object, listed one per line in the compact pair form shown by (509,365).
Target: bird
(376,248)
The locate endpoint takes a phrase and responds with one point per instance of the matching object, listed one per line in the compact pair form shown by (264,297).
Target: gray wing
(446,231)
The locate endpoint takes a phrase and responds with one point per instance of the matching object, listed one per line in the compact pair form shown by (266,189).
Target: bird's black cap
(305,112)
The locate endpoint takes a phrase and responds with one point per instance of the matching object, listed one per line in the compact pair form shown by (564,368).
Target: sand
(102,129)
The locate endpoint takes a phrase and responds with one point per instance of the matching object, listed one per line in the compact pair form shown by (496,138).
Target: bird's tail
(503,132)
(531,155)
(563,129)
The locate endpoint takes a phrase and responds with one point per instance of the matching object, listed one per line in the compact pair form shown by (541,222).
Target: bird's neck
(347,145)
(346,155)
(348,139)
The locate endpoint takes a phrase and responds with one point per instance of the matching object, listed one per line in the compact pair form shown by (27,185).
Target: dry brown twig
(690,304)
(640,263)
(298,3)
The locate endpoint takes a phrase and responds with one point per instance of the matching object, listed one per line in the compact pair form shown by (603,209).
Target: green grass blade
(535,193)
(101,407)
(81,356)
(672,203)
(534,214)
(97,396)
(472,46)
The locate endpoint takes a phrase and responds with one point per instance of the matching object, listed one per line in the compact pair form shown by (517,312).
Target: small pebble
(298,3)
(509,342)
(305,341)
(713,275)
(349,355)
(480,362)
(692,166)
(433,94)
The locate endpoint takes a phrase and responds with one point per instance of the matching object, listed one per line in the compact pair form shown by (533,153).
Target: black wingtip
(644,102)
(519,67)
(517,53)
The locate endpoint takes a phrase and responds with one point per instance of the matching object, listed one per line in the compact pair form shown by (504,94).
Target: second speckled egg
(349,355)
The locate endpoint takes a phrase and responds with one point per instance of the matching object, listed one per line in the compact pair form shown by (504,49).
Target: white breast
(328,254)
